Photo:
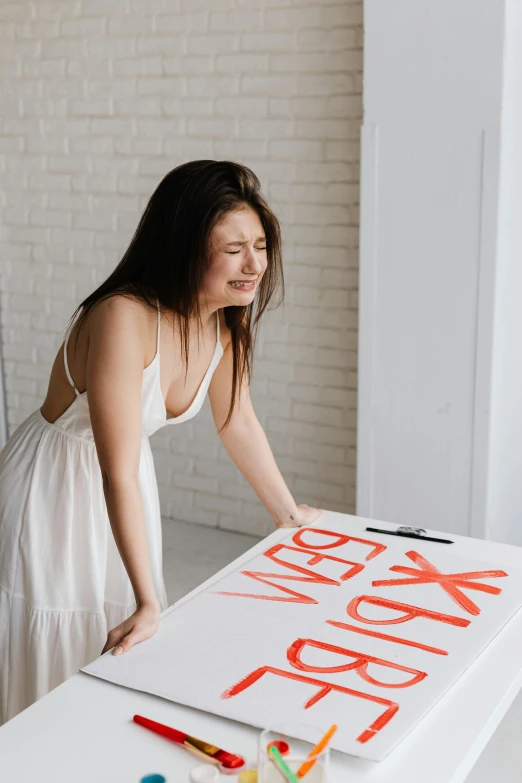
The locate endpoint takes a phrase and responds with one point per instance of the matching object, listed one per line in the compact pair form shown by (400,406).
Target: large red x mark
(449,582)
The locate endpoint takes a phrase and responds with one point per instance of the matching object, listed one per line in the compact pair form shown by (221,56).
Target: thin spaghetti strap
(66,363)
(159,323)
(217,316)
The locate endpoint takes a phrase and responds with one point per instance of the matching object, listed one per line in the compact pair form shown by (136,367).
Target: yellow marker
(248,776)
(321,745)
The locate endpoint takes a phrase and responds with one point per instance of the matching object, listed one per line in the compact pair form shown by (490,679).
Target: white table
(83,731)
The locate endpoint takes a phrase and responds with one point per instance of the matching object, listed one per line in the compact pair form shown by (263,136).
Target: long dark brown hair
(168,255)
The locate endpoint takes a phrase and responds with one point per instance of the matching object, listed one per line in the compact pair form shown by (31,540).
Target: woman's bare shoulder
(121,311)
(121,321)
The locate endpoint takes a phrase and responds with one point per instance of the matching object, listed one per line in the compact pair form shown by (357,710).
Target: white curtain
(3,417)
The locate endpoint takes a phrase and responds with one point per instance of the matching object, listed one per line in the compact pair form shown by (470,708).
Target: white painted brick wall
(99,100)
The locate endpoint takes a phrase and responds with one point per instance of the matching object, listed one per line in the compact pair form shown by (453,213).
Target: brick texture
(99,100)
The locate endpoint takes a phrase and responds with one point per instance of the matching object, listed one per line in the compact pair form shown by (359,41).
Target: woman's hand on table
(141,625)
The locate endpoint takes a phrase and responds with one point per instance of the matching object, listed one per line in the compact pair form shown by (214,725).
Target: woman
(202,267)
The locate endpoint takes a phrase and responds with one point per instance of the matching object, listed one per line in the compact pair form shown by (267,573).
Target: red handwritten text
(301,574)
(360,664)
(342,539)
(387,637)
(324,689)
(449,582)
(408,612)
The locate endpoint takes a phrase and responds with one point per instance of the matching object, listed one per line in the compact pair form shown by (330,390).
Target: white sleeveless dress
(63,585)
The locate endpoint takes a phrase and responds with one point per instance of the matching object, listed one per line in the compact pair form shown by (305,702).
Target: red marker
(209,753)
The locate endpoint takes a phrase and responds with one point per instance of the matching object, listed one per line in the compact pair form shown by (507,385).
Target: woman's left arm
(248,446)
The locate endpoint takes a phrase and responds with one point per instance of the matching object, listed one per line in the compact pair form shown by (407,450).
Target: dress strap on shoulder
(159,324)
(65,361)
(217,316)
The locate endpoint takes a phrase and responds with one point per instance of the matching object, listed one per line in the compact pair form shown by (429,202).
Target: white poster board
(366,632)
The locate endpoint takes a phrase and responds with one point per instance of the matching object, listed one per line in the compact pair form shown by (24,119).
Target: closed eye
(235,252)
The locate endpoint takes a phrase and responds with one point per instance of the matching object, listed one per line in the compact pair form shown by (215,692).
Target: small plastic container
(301,738)
(205,773)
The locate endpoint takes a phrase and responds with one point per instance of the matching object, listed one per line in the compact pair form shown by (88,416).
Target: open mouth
(242,285)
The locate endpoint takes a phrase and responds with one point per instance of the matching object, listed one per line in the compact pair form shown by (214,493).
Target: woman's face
(237,259)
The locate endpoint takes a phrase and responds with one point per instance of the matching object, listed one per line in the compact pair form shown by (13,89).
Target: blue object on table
(153,779)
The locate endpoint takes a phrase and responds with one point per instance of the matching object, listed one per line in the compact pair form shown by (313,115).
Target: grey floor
(192,553)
